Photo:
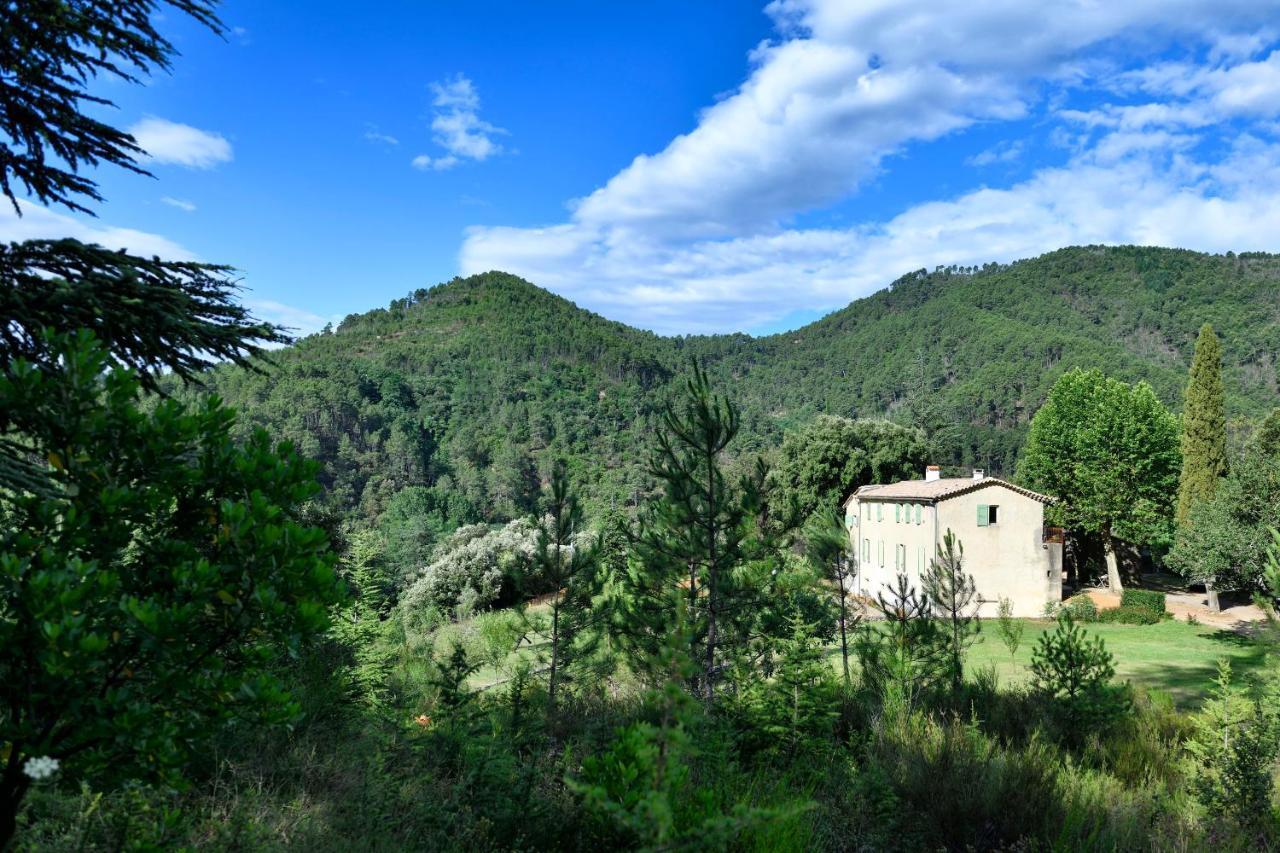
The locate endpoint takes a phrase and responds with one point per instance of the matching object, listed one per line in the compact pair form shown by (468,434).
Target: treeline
(464,393)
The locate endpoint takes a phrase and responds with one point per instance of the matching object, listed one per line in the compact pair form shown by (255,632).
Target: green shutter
(983,515)
(897,512)
(919,513)
(879,512)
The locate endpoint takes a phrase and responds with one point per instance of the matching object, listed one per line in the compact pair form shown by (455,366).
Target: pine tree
(1204,430)
(828,543)
(954,595)
(569,566)
(693,537)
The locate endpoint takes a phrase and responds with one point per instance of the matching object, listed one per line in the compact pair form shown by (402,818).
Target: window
(897,512)
(919,513)
(866,550)
(880,543)
(880,512)
(920,560)
(987,515)
(900,558)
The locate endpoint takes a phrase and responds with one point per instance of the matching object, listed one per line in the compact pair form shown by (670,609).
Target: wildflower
(41,767)
(422,720)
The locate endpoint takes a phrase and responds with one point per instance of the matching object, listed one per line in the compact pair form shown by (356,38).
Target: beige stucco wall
(1007,559)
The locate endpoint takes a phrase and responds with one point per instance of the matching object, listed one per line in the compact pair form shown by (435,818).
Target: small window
(866,550)
(881,549)
(987,515)
(919,513)
(897,512)
(880,513)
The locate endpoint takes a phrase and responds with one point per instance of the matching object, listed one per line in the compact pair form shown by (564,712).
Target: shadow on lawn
(1188,682)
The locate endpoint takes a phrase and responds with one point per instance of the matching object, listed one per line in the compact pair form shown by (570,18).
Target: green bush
(1080,608)
(1128,614)
(1151,599)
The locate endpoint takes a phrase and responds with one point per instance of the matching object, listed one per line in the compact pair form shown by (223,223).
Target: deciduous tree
(1109,452)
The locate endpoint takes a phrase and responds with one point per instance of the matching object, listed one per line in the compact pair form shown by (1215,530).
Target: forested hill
(447,404)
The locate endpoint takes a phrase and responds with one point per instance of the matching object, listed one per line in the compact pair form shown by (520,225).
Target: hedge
(1151,599)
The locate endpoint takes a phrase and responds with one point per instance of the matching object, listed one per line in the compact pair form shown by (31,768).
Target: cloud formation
(698,236)
(182,204)
(457,127)
(180,144)
(41,223)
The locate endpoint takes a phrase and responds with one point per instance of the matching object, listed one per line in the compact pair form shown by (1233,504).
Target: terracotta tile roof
(938,490)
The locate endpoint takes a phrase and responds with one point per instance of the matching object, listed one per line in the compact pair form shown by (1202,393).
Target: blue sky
(689,167)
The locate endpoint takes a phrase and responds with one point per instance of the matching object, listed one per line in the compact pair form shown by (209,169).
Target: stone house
(897,528)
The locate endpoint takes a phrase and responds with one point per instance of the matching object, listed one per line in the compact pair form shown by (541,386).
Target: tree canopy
(1109,452)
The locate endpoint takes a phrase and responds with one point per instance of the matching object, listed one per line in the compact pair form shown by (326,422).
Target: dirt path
(1238,617)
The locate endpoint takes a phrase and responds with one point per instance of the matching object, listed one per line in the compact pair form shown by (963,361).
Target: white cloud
(298,321)
(457,126)
(180,144)
(181,204)
(40,223)
(374,135)
(697,236)
(1001,152)
(438,164)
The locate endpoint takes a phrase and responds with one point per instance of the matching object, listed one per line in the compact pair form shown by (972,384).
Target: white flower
(41,767)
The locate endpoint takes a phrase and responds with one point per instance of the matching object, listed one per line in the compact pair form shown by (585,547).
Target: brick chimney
(978,474)
(931,473)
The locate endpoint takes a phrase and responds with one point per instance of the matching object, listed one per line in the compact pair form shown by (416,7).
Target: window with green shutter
(984,517)
(879,512)
(897,512)
(881,549)
(919,513)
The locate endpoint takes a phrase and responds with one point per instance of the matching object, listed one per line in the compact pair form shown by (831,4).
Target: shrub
(1151,599)
(499,631)
(469,568)
(1080,608)
(1127,614)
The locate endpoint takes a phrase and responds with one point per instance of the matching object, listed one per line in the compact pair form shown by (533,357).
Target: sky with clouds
(690,167)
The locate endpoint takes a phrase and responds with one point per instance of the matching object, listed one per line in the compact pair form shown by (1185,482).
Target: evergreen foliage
(823,462)
(907,656)
(570,567)
(954,595)
(1010,629)
(53,52)
(1075,671)
(1204,426)
(467,388)
(695,536)
(829,543)
(152,595)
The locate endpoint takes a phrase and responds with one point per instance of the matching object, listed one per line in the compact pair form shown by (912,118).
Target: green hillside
(461,394)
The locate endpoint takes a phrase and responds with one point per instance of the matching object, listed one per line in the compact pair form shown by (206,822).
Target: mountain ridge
(468,389)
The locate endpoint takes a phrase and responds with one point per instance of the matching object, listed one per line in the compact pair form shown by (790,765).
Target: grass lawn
(1172,656)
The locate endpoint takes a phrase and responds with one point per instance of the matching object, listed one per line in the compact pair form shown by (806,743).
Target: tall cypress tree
(1204,426)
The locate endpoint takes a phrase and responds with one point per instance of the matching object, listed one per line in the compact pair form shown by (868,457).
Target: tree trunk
(1113,565)
(555,654)
(13,787)
(1211,593)
(844,621)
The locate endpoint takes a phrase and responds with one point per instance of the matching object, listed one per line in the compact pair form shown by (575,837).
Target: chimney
(978,474)
(931,473)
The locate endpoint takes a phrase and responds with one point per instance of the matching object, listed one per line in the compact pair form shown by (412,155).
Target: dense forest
(463,393)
